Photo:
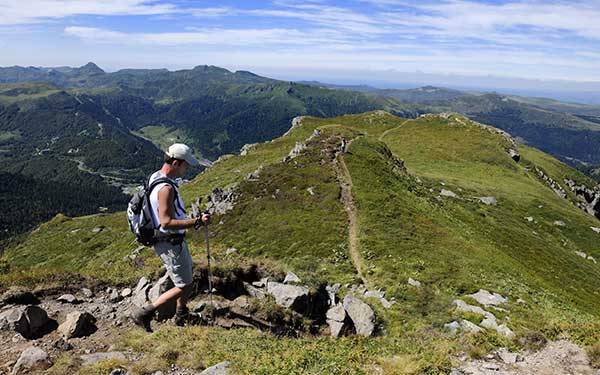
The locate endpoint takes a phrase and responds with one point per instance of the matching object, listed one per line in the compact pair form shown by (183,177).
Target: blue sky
(335,41)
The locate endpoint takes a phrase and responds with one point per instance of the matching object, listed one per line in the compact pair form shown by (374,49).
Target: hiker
(170,223)
(343,146)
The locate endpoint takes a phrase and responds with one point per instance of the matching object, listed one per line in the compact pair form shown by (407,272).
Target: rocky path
(346,185)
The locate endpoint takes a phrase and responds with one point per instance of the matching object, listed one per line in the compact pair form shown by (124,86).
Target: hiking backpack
(139,212)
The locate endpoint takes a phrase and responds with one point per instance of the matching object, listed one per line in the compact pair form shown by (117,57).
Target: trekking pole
(208,258)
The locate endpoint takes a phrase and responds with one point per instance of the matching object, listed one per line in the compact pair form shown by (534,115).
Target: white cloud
(33,11)
(215,37)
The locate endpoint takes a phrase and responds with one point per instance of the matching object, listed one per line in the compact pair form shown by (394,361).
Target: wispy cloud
(34,11)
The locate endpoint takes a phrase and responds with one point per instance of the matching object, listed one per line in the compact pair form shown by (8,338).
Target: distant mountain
(114,125)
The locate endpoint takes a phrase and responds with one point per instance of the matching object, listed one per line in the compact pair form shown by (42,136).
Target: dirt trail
(346,185)
(389,130)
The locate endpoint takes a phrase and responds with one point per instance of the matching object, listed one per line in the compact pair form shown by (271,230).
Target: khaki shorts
(178,261)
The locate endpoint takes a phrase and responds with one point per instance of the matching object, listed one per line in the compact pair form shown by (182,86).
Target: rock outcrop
(361,314)
(588,199)
(220,201)
(289,296)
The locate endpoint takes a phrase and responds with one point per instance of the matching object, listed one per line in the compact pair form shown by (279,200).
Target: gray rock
(26,320)
(470,327)
(87,293)
(119,371)
(448,193)
(332,291)
(488,299)
(98,229)
(92,359)
(114,296)
(336,329)
(336,313)
(297,150)
(289,296)
(361,314)
(514,155)
(68,298)
(387,304)
(32,359)
(220,201)
(529,219)
(490,201)
(291,278)
(77,324)
(508,357)
(452,326)
(163,284)
(222,368)
(414,282)
(597,230)
(127,292)
(254,291)
(559,223)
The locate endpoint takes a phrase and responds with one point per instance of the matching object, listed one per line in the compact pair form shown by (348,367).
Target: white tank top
(179,208)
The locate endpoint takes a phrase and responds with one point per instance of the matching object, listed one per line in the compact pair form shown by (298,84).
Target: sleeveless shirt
(178,204)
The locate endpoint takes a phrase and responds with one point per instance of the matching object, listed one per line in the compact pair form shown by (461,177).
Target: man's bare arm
(166,211)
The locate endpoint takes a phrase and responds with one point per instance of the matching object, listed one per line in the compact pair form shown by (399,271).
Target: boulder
(77,324)
(26,320)
(18,296)
(220,201)
(31,360)
(68,298)
(254,291)
(597,230)
(163,284)
(514,155)
(222,368)
(490,201)
(92,359)
(559,223)
(336,317)
(140,293)
(289,296)
(97,229)
(127,292)
(291,278)
(361,314)
(488,299)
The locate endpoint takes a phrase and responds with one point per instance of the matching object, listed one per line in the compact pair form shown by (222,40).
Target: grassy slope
(453,246)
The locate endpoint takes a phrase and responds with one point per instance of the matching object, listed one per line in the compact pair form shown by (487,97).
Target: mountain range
(84,129)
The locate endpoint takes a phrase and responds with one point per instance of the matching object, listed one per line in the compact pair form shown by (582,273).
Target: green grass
(10,135)
(453,246)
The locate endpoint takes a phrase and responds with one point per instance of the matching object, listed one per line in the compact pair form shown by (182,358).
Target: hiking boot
(142,317)
(181,316)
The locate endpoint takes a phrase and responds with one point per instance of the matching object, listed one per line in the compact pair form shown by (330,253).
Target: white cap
(182,152)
